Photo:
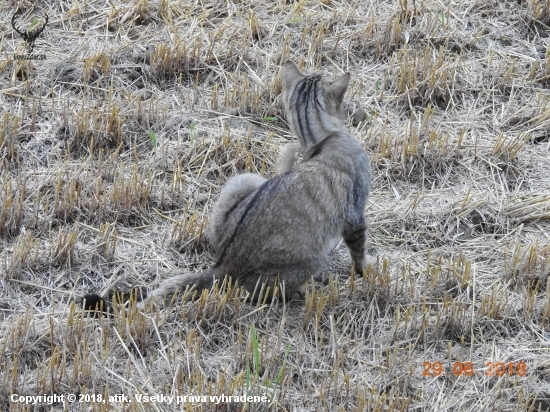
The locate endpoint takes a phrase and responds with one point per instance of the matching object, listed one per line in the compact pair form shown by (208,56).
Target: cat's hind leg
(234,192)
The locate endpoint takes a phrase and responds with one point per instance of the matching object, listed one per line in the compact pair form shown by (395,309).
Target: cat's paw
(299,293)
(368,263)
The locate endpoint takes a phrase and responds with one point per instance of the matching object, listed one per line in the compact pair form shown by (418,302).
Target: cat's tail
(191,281)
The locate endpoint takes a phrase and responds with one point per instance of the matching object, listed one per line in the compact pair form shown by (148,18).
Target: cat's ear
(290,74)
(338,87)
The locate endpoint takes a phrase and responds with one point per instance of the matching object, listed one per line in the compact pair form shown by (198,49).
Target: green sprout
(153,138)
(192,132)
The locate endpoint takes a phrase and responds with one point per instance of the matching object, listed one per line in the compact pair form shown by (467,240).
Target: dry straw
(114,148)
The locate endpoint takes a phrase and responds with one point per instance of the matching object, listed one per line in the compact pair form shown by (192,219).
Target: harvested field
(114,148)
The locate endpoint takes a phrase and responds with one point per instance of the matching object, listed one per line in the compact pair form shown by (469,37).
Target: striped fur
(313,105)
(283,229)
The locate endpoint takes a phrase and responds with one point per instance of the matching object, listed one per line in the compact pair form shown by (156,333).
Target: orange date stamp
(435,369)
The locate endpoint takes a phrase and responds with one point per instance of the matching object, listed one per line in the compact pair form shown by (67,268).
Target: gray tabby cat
(283,229)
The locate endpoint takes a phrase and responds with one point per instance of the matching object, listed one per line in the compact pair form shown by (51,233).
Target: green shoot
(256,350)
(281,371)
(153,138)
(192,131)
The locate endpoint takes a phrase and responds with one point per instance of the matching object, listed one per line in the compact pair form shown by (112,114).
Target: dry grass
(114,149)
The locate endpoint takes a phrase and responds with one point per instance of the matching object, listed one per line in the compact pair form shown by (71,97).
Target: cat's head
(313,104)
